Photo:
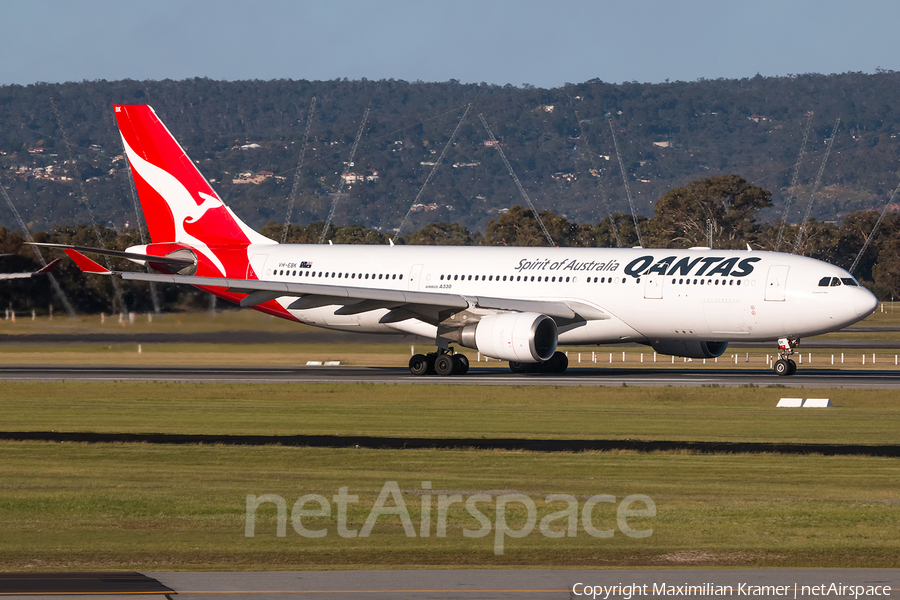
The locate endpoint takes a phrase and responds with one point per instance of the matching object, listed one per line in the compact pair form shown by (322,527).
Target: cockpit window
(850,281)
(835,282)
(825,282)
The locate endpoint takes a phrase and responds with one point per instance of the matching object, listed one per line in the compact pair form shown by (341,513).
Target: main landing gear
(440,363)
(558,363)
(785,366)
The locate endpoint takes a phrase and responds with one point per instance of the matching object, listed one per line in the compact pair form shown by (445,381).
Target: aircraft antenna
(812,196)
(56,287)
(603,196)
(637,229)
(496,145)
(84,199)
(433,169)
(791,193)
(874,229)
(347,168)
(296,186)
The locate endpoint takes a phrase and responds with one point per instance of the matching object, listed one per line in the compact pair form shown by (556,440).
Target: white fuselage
(648,294)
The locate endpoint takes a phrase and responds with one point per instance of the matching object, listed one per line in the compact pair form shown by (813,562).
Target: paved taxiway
(520,584)
(808,378)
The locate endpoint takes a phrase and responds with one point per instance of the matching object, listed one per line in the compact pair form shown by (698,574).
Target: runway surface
(805,377)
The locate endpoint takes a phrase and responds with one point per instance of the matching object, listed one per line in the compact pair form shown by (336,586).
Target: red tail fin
(178,203)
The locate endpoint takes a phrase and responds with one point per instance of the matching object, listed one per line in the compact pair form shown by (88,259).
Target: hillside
(247,136)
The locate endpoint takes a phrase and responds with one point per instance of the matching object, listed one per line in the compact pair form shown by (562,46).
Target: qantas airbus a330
(514,304)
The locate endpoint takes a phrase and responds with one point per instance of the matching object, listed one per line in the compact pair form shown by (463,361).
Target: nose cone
(864,302)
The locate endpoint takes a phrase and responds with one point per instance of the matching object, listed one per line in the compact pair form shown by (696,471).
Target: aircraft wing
(50,267)
(354,300)
(432,307)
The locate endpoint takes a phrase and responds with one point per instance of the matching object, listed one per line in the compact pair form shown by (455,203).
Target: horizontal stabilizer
(49,267)
(46,269)
(166,260)
(86,264)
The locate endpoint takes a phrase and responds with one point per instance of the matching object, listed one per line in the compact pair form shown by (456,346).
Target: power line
(84,199)
(56,287)
(430,174)
(296,186)
(603,196)
(818,181)
(337,194)
(637,229)
(140,224)
(791,194)
(496,145)
(874,229)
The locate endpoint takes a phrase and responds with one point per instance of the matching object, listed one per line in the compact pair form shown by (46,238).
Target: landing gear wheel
(782,367)
(460,364)
(793,366)
(444,365)
(418,364)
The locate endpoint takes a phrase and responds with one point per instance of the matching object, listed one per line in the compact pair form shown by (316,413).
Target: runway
(598,377)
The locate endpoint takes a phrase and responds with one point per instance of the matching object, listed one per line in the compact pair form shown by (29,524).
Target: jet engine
(690,348)
(524,337)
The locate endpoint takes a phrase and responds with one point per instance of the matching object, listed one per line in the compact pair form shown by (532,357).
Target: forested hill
(247,136)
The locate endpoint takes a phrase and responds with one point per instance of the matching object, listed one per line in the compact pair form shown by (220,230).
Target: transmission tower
(874,229)
(57,289)
(637,229)
(791,193)
(609,213)
(430,174)
(84,199)
(812,196)
(296,186)
(512,173)
(349,166)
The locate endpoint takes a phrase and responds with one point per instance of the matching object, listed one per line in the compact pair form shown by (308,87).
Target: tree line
(727,208)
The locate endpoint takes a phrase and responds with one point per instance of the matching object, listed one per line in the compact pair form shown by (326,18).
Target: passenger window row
(336,275)
(545,278)
(688,281)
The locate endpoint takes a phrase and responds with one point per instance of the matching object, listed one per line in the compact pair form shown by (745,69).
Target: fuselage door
(775,283)
(414,274)
(256,266)
(653,289)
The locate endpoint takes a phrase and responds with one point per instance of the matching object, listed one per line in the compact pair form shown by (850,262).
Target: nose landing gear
(784,366)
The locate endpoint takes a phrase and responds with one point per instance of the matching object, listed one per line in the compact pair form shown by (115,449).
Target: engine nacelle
(521,337)
(690,348)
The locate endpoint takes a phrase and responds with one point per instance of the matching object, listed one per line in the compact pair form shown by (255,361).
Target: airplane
(517,304)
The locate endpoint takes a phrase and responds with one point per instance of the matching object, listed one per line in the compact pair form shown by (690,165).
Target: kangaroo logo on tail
(178,203)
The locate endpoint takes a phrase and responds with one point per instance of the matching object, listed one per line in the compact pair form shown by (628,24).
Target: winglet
(86,264)
(51,266)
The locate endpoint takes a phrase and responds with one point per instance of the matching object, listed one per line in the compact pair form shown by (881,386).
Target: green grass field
(143,506)
(82,506)
(437,411)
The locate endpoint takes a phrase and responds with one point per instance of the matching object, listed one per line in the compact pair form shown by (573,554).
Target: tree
(729,202)
(443,234)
